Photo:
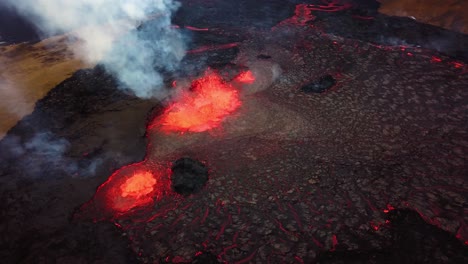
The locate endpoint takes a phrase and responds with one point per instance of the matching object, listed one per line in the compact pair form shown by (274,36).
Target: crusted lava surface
(371,170)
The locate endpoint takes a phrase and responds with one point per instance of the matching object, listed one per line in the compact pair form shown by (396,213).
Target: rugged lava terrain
(372,170)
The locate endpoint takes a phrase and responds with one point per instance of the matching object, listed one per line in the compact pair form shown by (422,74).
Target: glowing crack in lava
(204,108)
(303,12)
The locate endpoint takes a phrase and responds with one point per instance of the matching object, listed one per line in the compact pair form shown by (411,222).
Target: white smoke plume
(106,33)
(13,102)
(45,155)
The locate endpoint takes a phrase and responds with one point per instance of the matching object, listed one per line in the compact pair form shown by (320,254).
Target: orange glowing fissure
(204,108)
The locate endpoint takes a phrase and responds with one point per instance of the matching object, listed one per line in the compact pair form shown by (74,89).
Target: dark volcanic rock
(410,240)
(321,85)
(205,258)
(188,176)
(84,118)
(393,31)
(228,70)
(230,14)
(194,64)
(416,241)
(81,243)
(263,57)
(53,160)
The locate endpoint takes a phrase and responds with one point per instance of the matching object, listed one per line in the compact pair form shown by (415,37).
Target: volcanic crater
(370,169)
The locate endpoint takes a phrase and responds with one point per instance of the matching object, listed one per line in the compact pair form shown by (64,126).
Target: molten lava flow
(132,191)
(331,6)
(196,29)
(204,108)
(138,185)
(212,48)
(130,187)
(303,12)
(246,77)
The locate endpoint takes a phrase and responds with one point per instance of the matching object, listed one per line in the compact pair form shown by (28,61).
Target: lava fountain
(135,188)
(209,101)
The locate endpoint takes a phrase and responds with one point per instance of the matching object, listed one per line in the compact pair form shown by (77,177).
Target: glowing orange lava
(130,187)
(204,108)
(128,192)
(138,185)
(246,77)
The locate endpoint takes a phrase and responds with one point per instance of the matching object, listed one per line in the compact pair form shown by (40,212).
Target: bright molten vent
(210,100)
(132,187)
(135,189)
(138,185)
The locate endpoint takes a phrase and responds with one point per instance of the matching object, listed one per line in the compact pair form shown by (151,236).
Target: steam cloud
(105,30)
(11,99)
(45,154)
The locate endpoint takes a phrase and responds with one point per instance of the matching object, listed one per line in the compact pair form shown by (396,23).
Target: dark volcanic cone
(188,176)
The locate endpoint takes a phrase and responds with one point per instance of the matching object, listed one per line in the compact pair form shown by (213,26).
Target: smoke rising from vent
(104,31)
(45,155)
(10,95)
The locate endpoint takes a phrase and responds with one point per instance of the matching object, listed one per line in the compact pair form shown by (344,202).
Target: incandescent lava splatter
(246,77)
(131,187)
(130,191)
(138,185)
(204,108)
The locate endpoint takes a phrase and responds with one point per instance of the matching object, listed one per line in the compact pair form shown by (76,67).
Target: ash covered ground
(372,170)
